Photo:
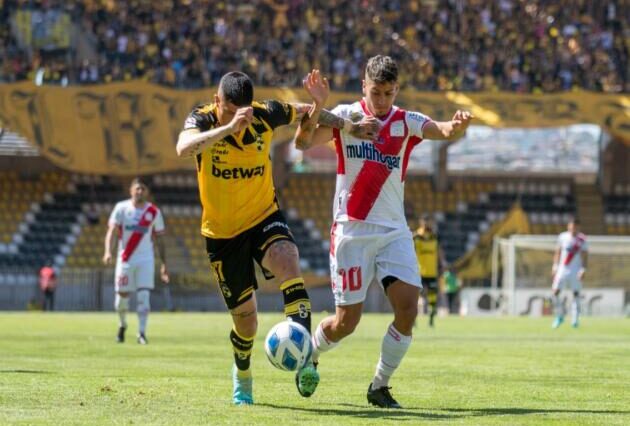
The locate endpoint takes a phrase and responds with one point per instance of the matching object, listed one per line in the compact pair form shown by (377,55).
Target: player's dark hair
(139,181)
(237,88)
(381,69)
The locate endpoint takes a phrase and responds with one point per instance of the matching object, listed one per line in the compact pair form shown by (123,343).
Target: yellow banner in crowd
(131,128)
(477,263)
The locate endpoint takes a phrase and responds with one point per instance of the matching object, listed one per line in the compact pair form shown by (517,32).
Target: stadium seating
(617,211)
(26,239)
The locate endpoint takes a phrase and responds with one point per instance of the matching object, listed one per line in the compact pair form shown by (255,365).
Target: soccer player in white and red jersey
(137,223)
(569,265)
(370,238)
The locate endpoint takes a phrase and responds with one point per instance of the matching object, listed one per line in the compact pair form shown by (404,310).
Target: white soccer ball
(288,345)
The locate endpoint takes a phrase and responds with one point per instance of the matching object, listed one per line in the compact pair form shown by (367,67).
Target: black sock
(297,305)
(242,350)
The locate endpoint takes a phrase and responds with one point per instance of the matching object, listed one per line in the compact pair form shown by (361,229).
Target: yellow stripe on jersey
(426,245)
(234,175)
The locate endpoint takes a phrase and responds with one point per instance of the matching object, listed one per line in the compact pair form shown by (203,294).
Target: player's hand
(461,120)
(367,128)
(242,118)
(164,274)
(317,86)
(107,259)
(581,274)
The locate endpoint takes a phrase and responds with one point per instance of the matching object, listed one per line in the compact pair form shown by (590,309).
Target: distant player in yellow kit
(430,260)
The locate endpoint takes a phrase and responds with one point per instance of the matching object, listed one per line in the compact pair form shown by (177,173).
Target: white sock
(121,304)
(321,343)
(393,349)
(558,308)
(143,308)
(575,308)
(143,317)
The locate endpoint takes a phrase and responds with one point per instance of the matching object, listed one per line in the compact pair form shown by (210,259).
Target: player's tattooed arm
(365,129)
(192,141)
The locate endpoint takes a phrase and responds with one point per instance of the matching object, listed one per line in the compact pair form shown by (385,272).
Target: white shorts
(361,252)
(135,275)
(566,280)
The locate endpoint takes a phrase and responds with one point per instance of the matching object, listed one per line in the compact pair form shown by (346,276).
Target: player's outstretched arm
(448,130)
(192,141)
(366,129)
(317,86)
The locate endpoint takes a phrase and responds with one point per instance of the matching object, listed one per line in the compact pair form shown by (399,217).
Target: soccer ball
(288,345)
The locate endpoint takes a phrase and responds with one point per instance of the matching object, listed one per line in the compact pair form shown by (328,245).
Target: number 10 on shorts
(351,278)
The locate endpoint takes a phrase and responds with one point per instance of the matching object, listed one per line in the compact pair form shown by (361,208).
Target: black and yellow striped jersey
(427,245)
(234,174)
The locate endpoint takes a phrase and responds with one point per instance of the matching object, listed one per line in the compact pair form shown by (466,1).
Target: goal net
(521,267)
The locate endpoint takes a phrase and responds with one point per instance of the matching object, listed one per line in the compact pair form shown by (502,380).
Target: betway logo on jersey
(368,151)
(238,172)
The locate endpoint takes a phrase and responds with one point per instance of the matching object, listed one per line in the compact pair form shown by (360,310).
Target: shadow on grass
(361,411)
(515,411)
(26,371)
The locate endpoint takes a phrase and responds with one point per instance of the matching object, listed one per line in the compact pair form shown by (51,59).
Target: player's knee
(284,256)
(143,301)
(121,303)
(406,313)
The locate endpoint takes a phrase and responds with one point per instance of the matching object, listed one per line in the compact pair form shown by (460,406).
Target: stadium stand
(510,45)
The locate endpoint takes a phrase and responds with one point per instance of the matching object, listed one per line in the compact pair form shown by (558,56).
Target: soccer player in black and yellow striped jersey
(430,260)
(230,140)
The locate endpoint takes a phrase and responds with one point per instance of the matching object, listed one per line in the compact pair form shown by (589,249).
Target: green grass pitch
(65,368)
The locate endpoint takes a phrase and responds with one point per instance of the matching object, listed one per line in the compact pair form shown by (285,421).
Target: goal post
(521,268)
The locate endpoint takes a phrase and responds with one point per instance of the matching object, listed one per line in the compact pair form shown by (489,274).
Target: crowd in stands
(467,45)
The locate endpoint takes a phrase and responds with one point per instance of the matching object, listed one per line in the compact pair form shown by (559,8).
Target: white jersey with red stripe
(371,174)
(133,223)
(571,248)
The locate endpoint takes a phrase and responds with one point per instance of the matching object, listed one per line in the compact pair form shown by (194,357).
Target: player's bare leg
(396,342)
(245,320)
(283,260)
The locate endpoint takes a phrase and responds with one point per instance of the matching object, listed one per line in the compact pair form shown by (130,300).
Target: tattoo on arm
(328,119)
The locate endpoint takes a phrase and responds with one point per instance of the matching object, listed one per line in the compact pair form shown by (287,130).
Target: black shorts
(431,284)
(232,259)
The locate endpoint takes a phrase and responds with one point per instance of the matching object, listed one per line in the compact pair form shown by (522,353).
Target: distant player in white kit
(137,223)
(569,265)
(370,238)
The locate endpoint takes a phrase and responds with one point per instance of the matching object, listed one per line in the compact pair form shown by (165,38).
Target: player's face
(379,96)
(139,193)
(572,227)
(225,109)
